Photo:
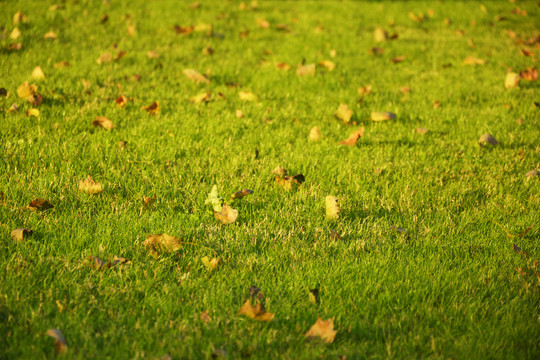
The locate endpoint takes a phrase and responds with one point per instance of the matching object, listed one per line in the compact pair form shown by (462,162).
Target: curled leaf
(121,101)
(60,344)
(227,215)
(353,138)
(240,194)
(104,122)
(382,116)
(332,207)
(118,260)
(344,113)
(323,329)
(20,233)
(89,186)
(256,312)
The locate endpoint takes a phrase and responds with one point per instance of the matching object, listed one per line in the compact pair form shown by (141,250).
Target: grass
(451,286)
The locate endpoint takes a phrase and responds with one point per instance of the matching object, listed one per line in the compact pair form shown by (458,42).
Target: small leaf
(239,114)
(227,215)
(314,296)
(262,23)
(256,312)
(279,171)
(288,182)
(61,65)
(205,317)
(26,91)
(32,112)
(530,74)
(511,80)
(60,344)
(38,73)
(121,101)
(314,134)
(330,65)
(118,260)
(99,263)
(240,194)
(303,70)
(487,139)
(40,205)
(199,98)
(89,186)
(50,35)
(471,60)
(104,122)
(353,138)
(152,54)
(196,76)
(162,241)
(364,90)
(20,233)
(323,329)
(334,235)
(149,201)
(152,109)
(344,113)
(421,131)
(332,207)
(19,18)
(214,199)
(382,116)
(15,34)
(247,96)
(210,264)
(380,34)
(398,59)
(104,58)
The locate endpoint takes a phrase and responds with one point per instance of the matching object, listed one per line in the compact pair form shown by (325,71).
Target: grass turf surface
(451,286)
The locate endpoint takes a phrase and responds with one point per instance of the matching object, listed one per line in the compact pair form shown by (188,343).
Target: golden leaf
(104,122)
(38,73)
(195,76)
(314,134)
(303,70)
(89,186)
(239,114)
(26,91)
(149,201)
(256,312)
(32,112)
(227,215)
(263,24)
(323,329)
(421,131)
(15,34)
(247,96)
(353,138)
(240,194)
(210,264)
(380,34)
(19,18)
(104,58)
(332,207)
(120,101)
(162,241)
(511,80)
(20,233)
(330,65)
(364,90)
(60,344)
(152,109)
(381,116)
(40,205)
(344,113)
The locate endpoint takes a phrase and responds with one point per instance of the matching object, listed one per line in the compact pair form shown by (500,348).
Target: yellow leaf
(162,241)
(40,205)
(26,91)
(344,113)
(227,215)
(199,98)
(51,35)
(33,112)
(210,264)
(247,96)
(256,312)
(381,116)
(288,182)
(511,80)
(15,34)
(380,34)
(364,90)
(471,60)
(303,70)
(353,138)
(323,329)
(20,233)
(203,27)
(239,114)
(332,207)
(314,134)
(152,54)
(263,24)
(19,18)
(89,186)
(195,76)
(328,64)
(60,344)
(421,131)
(104,122)
(38,73)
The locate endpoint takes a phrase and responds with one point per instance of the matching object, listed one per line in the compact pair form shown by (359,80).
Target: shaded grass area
(446,287)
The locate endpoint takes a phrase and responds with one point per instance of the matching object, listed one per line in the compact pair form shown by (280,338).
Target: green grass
(445,288)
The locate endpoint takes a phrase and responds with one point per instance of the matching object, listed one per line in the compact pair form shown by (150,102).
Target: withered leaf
(323,329)
(471,60)
(279,171)
(256,312)
(376,51)
(288,182)
(196,76)
(344,113)
(152,54)
(398,59)
(149,201)
(40,205)
(20,233)
(421,131)
(210,264)
(104,122)
(240,194)
(152,109)
(184,30)
(19,18)
(530,74)
(89,186)
(227,215)
(511,80)
(98,263)
(533,174)
(380,34)
(382,116)
(364,90)
(353,138)
(60,344)
(26,90)
(487,139)
(121,101)
(61,65)
(314,134)
(303,70)
(314,296)
(118,260)
(262,23)
(104,58)
(162,241)
(526,52)
(205,317)
(332,207)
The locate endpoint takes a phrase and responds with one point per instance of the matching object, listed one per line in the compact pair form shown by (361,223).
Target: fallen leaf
(19,18)
(436,104)
(289,181)
(240,194)
(283,27)
(104,58)
(122,144)
(99,263)
(199,98)
(207,50)
(511,80)
(303,70)
(210,264)
(89,186)
(471,60)
(162,241)
(104,122)
(247,96)
(40,205)
(195,76)
(418,18)
(487,139)
(50,35)
(20,233)
(205,317)
(533,174)
(184,30)
(518,250)
(239,114)
(152,54)
(279,171)
(526,52)
(149,201)
(421,131)
(263,24)
(13,108)
(530,74)
(118,260)
(203,28)
(382,116)
(33,112)
(314,296)
(38,73)
(255,293)
(314,134)
(256,312)
(353,138)
(344,113)
(121,101)
(380,34)
(323,329)
(333,53)
(61,64)
(364,90)
(60,344)
(152,109)
(376,51)
(328,64)
(119,55)
(214,199)
(332,207)
(26,91)
(405,90)
(15,34)
(227,215)
(195,5)
(398,59)
(14,46)
(334,235)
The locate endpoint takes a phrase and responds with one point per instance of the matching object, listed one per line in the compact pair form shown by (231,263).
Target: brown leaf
(162,241)
(149,201)
(323,329)
(227,215)
(283,66)
(121,101)
(533,174)
(288,182)
(344,113)
(382,116)
(398,59)
(118,260)
(119,55)
(526,52)
(376,51)
(263,24)
(61,65)
(240,194)
(104,122)
(471,60)
(196,76)
(89,186)
(530,74)
(364,90)
(303,70)
(487,139)
(60,344)
(353,138)
(99,263)
(40,205)
(20,233)
(104,58)
(256,312)
(205,317)
(152,109)
(184,30)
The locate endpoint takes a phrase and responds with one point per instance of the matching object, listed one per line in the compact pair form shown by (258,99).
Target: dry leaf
(20,233)
(436,104)
(526,52)
(40,205)
(152,54)
(256,312)
(227,215)
(314,134)
(289,181)
(207,50)
(205,317)
(61,65)
(60,344)
(89,186)
(382,116)
(364,90)
(162,241)
(149,201)
(14,46)
(334,235)
(121,101)
(152,109)
(240,194)
(398,59)
(283,66)
(511,80)
(328,64)
(471,60)
(418,18)
(279,171)
(405,90)
(303,70)
(4,93)
(380,34)
(196,76)
(27,91)
(199,98)
(119,55)
(530,74)
(118,260)
(239,114)
(487,139)
(283,27)
(263,24)
(19,18)
(332,207)
(104,122)
(247,96)
(38,73)
(51,35)
(376,51)
(104,58)
(533,174)
(203,27)
(15,34)
(421,131)
(99,263)
(210,264)
(333,53)
(344,113)
(13,108)
(184,30)
(323,329)
(32,112)
(353,138)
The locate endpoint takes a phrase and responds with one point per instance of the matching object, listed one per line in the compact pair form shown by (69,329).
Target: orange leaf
(227,215)
(256,312)
(323,329)
(353,138)
(152,109)
(104,122)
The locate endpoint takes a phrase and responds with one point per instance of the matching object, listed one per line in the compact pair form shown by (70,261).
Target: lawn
(433,253)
